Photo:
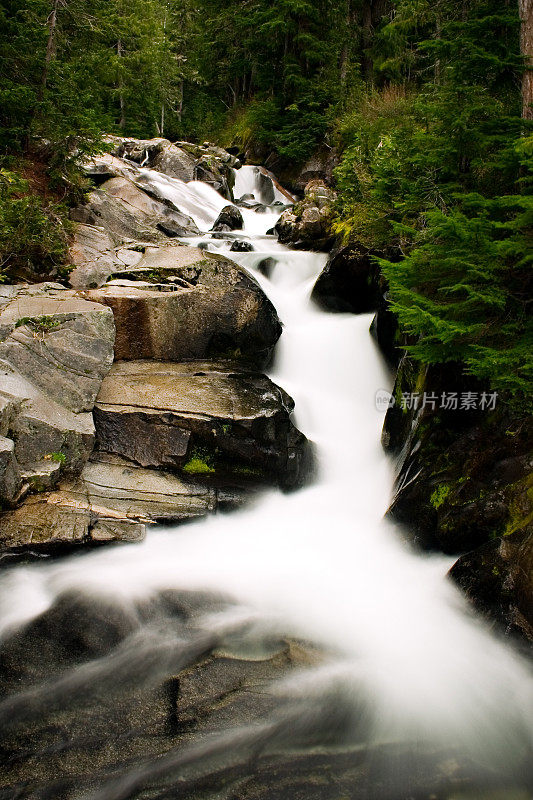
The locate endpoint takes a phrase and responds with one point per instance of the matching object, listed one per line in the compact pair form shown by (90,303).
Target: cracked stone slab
(112,500)
(60,342)
(55,349)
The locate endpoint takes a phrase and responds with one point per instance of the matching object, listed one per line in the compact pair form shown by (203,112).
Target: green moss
(242,469)
(44,323)
(230,354)
(439,496)
(201,462)
(195,466)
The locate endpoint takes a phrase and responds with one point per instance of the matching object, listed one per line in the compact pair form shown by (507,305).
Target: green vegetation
(59,458)
(438,497)
(197,466)
(201,461)
(436,165)
(43,323)
(33,232)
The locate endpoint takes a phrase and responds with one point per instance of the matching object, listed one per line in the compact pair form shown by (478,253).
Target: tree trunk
(367,30)
(122,122)
(179,107)
(50,47)
(437,69)
(525,8)
(344,57)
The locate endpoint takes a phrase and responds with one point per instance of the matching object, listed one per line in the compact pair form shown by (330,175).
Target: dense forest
(425,104)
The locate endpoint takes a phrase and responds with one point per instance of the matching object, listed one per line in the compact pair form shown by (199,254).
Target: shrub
(33,232)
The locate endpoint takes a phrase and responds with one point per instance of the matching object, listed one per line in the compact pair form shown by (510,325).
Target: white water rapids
(321,563)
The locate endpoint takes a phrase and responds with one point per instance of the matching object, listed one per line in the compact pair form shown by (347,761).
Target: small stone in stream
(230,219)
(241,247)
(266,266)
(271,232)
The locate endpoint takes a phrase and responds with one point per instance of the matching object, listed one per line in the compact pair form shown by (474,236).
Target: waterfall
(252,180)
(320,564)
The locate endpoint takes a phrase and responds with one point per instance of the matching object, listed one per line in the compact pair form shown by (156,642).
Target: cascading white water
(321,563)
(203,203)
(250,180)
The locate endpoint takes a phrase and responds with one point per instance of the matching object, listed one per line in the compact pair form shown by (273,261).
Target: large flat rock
(199,416)
(148,494)
(186,306)
(111,500)
(55,349)
(59,342)
(119,213)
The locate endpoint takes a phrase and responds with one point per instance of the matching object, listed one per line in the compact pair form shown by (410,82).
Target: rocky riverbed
(136,395)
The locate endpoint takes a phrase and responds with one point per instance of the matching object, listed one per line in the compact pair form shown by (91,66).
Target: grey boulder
(175,308)
(229,219)
(55,349)
(308,223)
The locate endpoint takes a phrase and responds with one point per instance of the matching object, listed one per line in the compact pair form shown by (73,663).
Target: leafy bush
(465,289)
(33,233)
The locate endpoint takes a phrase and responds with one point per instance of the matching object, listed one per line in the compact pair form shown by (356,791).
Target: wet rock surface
(200,416)
(350,281)
(135,699)
(229,219)
(386,332)
(307,224)
(464,487)
(498,578)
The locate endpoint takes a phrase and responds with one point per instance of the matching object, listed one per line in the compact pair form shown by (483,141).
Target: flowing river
(402,661)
